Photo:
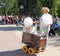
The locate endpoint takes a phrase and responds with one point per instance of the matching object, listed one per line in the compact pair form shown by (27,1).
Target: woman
(45,21)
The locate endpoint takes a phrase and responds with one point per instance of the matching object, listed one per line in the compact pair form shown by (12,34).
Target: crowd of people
(8,19)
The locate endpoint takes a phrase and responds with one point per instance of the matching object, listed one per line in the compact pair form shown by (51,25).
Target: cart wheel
(38,50)
(31,51)
(25,49)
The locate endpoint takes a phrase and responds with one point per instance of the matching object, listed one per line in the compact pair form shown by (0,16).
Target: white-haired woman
(45,21)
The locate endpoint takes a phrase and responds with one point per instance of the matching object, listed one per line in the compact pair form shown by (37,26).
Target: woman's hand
(36,22)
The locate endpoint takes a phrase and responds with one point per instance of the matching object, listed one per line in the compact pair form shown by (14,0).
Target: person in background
(3,17)
(17,20)
(7,19)
(54,27)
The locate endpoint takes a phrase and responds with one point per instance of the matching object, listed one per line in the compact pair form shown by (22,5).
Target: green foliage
(57,7)
(10,6)
(45,3)
(13,9)
(54,6)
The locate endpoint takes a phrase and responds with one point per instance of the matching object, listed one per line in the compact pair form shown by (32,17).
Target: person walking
(7,19)
(54,27)
(45,21)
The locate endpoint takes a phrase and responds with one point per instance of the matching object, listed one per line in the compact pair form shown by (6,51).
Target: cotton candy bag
(28,22)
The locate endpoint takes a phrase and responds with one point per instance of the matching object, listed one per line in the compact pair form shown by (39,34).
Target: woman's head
(45,10)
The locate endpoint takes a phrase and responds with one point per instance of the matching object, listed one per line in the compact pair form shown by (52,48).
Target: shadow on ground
(54,41)
(14,53)
(11,28)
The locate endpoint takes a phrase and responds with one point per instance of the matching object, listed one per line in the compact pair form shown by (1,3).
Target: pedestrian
(3,17)
(45,22)
(7,19)
(16,20)
(54,27)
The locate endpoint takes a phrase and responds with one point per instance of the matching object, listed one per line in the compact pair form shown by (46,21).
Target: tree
(14,8)
(10,6)
(29,7)
(32,7)
(45,3)
(57,8)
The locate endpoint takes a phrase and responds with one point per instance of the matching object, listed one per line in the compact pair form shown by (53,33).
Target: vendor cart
(34,43)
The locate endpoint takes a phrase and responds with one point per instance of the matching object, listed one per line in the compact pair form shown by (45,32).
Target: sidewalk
(53,46)
(53,43)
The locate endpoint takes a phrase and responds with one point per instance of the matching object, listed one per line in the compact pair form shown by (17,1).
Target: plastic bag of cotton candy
(28,22)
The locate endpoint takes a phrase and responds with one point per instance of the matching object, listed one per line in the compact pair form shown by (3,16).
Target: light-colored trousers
(46,30)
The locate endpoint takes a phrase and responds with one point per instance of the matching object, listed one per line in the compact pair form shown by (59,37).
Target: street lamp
(21,12)
(21,7)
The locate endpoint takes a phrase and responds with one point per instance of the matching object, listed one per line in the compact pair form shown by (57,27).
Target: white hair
(46,8)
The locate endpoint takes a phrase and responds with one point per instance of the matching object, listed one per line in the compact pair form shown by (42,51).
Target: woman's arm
(36,22)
